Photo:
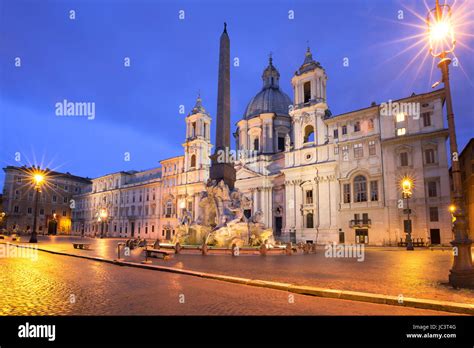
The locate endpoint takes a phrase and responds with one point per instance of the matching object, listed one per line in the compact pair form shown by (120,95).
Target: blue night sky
(137,108)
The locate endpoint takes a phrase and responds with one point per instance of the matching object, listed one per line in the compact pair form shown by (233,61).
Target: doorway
(52,227)
(362,236)
(278,225)
(435,236)
(342,238)
(168,234)
(132,229)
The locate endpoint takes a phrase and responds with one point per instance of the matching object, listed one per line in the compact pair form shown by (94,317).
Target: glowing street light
(38,177)
(442,43)
(103,215)
(406,185)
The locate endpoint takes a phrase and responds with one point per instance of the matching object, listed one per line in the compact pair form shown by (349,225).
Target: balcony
(360,223)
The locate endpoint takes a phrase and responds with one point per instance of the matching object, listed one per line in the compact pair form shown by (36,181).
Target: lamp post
(407,191)
(103,214)
(38,180)
(442,43)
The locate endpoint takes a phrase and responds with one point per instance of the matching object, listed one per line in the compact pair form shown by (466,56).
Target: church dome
(270,98)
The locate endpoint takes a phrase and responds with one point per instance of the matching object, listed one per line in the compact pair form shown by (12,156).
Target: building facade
(466,159)
(55,202)
(149,204)
(324,178)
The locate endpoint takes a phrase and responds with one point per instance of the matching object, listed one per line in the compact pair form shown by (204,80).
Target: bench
(164,254)
(83,246)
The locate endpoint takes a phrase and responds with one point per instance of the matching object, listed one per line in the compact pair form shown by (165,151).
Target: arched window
(309,220)
(308,134)
(193,161)
(360,188)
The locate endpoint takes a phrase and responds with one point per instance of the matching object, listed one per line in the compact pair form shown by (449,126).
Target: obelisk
(222,167)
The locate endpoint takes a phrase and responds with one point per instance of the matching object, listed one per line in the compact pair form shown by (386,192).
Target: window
(426,116)
(205,130)
(169,208)
(347,193)
(345,153)
(365,218)
(308,134)
(255,144)
(432,189)
(16,209)
(344,130)
(401,131)
(65,200)
(55,199)
(281,143)
(336,150)
(309,197)
(374,191)
(429,156)
(358,151)
(400,117)
(404,159)
(360,188)
(370,124)
(357,126)
(372,148)
(30,210)
(193,161)
(434,214)
(64,213)
(336,133)
(307,91)
(41,211)
(193,134)
(309,220)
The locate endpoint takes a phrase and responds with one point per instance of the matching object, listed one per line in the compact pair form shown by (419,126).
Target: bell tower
(197,147)
(310,108)
(309,82)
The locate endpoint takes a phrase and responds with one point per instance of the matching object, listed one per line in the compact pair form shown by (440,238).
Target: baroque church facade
(314,176)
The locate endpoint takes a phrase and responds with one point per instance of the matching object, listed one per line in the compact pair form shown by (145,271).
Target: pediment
(246,173)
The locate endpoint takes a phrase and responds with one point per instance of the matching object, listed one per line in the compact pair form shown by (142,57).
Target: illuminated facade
(336,178)
(54,205)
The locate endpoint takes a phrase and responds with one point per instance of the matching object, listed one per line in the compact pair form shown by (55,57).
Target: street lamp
(407,191)
(38,178)
(103,214)
(442,43)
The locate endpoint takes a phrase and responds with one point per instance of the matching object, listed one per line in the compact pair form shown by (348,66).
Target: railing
(309,103)
(360,223)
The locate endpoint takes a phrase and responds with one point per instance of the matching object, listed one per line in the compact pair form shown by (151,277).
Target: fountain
(221,222)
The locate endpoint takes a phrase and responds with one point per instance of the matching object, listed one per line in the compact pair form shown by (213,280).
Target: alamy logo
(396,108)
(37,331)
(68,108)
(232,156)
(334,250)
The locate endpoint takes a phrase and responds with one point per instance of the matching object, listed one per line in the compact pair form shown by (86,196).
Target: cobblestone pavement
(61,285)
(422,273)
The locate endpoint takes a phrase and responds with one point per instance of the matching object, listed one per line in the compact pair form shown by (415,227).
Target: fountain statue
(222,222)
